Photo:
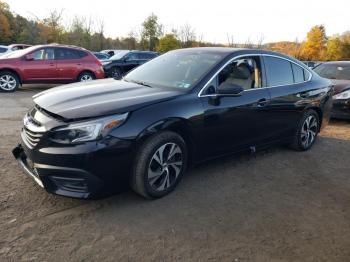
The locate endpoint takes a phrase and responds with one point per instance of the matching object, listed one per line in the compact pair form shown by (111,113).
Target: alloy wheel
(86,77)
(8,82)
(309,131)
(165,166)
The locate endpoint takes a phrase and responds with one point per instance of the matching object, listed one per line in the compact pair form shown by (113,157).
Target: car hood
(340,85)
(99,98)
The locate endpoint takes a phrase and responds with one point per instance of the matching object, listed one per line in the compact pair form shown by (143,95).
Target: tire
(307,131)
(86,76)
(153,177)
(116,73)
(9,82)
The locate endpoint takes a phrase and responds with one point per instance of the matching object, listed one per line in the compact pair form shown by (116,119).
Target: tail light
(98,62)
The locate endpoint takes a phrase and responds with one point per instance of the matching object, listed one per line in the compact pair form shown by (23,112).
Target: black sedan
(124,61)
(339,74)
(186,106)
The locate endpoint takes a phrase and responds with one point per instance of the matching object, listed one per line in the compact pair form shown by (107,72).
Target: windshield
(118,55)
(333,71)
(176,69)
(19,53)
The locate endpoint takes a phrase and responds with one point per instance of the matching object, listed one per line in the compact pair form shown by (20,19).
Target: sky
(271,20)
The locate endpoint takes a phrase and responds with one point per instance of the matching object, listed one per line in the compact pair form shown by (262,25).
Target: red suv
(48,64)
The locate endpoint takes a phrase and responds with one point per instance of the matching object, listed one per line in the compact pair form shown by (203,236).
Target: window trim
(245,55)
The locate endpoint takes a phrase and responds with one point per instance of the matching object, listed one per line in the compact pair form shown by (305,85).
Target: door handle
(262,102)
(52,64)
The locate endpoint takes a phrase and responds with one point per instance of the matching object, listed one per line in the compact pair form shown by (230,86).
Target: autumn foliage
(90,34)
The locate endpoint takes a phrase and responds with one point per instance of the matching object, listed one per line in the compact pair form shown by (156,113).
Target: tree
(187,35)
(53,22)
(345,39)
(5,25)
(315,44)
(334,49)
(151,31)
(167,43)
(5,29)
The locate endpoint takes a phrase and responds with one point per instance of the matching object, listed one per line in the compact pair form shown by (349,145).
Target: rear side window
(2,50)
(278,71)
(298,73)
(132,56)
(82,53)
(146,55)
(101,56)
(65,53)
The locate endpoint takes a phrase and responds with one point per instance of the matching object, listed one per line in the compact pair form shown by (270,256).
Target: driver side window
(44,54)
(244,72)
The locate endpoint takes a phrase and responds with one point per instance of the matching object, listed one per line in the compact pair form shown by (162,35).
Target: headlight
(342,95)
(87,131)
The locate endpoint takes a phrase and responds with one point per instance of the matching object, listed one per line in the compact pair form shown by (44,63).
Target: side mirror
(229,89)
(29,57)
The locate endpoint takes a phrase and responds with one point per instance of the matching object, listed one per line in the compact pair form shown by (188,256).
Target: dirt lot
(277,205)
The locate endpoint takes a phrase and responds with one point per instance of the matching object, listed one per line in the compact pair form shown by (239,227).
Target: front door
(235,123)
(39,65)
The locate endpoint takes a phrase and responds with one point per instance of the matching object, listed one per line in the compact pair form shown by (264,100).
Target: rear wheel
(160,165)
(9,81)
(86,76)
(307,131)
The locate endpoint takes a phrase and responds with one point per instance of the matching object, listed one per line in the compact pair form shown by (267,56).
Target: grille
(32,138)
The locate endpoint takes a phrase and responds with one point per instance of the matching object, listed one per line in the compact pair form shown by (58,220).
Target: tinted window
(65,53)
(2,50)
(146,55)
(279,71)
(334,71)
(101,56)
(44,54)
(82,53)
(132,56)
(298,73)
(306,75)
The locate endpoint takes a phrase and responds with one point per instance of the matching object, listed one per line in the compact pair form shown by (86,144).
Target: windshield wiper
(137,82)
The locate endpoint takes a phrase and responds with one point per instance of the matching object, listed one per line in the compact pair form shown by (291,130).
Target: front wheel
(9,82)
(116,73)
(307,131)
(159,165)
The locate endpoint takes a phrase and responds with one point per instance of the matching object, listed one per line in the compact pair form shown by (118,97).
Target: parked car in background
(183,107)
(48,64)
(101,56)
(4,49)
(14,47)
(310,64)
(112,52)
(124,61)
(339,74)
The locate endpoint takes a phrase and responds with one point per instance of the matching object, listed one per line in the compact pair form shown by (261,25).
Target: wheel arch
(86,70)
(12,71)
(176,125)
(319,113)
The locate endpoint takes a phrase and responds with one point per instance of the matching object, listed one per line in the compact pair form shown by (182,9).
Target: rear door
(40,65)
(69,63)
(287,83)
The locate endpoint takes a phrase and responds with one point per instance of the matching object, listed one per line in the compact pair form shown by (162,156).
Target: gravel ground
(276,205)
